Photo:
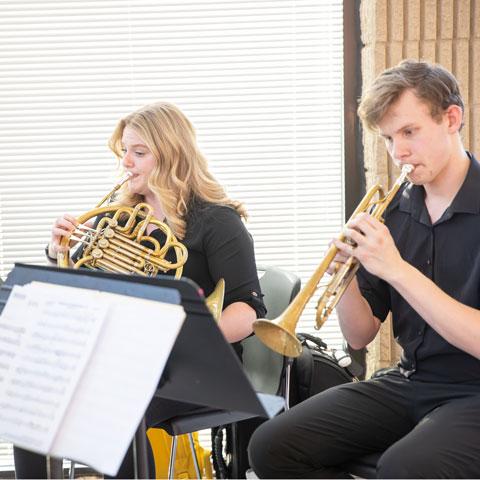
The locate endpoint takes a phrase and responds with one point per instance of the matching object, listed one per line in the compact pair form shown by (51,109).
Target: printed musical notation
(65,354)
(47,358)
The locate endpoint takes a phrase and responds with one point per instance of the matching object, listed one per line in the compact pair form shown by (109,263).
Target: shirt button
(419,333)
(429,262)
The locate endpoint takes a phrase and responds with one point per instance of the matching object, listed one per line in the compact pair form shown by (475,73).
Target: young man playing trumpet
(423,266)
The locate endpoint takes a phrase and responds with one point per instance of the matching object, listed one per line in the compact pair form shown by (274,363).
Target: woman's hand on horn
(63,227)
(373,245)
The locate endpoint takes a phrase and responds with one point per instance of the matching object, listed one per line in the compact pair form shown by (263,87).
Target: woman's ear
(454,116)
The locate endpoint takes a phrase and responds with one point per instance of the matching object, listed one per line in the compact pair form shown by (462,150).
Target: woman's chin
(135,189)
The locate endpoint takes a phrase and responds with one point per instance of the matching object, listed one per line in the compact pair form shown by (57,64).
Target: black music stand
(203,370)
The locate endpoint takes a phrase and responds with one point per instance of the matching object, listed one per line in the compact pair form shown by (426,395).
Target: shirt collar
(467,199)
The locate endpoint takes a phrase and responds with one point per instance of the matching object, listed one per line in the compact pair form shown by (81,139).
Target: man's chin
(416,180)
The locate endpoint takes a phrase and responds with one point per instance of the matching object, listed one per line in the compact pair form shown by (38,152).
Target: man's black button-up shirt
(447,252)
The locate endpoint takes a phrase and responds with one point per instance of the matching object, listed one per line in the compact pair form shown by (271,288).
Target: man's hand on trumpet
(373,246)
(340,258)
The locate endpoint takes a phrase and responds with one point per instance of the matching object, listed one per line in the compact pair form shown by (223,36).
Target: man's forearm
(358,324)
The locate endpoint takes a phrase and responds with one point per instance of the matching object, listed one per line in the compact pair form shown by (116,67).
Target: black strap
(50,259)
(303,337)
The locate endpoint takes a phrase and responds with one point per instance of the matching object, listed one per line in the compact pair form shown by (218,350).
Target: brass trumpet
(279,334)
(117,244)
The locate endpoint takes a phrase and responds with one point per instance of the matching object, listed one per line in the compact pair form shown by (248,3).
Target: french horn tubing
(118,244)
(279,334)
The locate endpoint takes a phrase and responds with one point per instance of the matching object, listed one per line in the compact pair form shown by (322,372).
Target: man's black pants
(426,430)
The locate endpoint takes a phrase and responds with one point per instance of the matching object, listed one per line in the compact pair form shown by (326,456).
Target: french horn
(120,243)
(117,244)
(279,334)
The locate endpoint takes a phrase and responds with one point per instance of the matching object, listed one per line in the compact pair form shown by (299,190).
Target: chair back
(263,366)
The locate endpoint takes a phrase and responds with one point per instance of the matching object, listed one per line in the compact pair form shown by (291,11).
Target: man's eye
(140,154)
(408,132)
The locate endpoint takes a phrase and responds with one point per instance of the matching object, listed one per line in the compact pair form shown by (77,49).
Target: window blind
(261,81)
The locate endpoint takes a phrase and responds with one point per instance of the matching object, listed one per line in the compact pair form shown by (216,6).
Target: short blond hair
(181,173)
(430,82)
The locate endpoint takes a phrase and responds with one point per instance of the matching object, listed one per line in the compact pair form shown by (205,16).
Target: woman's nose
(127,160)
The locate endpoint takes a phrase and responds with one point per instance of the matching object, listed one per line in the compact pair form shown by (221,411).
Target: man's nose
(398,150)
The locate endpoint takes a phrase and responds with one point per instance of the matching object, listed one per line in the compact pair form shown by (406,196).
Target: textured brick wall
(443,31)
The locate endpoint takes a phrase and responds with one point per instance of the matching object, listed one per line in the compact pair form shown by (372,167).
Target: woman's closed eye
(137,153)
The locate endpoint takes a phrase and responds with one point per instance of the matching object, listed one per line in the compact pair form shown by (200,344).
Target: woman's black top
(219,246)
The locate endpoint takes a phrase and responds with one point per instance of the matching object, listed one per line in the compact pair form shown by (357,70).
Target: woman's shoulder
(208,211)
(208,220)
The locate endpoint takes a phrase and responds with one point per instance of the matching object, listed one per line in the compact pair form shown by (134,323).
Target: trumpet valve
(322,313)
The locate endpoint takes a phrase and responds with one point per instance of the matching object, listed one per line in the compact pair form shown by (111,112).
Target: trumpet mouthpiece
(407,168)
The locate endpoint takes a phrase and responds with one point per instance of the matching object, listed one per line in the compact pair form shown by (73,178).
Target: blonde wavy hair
(181,173)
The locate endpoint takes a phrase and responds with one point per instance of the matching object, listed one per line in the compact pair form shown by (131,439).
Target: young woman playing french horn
(157,146)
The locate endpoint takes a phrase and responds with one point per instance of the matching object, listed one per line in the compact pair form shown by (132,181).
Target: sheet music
(46,338)
(119,382)
(78,368)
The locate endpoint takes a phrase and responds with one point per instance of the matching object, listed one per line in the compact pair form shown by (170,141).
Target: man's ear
(454,116)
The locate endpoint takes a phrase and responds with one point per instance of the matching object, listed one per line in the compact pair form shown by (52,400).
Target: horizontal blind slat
(261,81)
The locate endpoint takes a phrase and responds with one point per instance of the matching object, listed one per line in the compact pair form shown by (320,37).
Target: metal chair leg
(288,371)
(54,467)
(194,455)
(71,474)
(173,454)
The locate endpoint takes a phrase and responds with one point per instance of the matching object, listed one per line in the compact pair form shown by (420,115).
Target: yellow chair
(161,443)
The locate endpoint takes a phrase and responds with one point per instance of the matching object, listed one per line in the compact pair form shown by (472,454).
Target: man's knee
(273,452)
(395,463)
(262,452)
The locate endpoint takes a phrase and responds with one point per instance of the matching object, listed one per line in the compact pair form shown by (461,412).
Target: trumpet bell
(278,338)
